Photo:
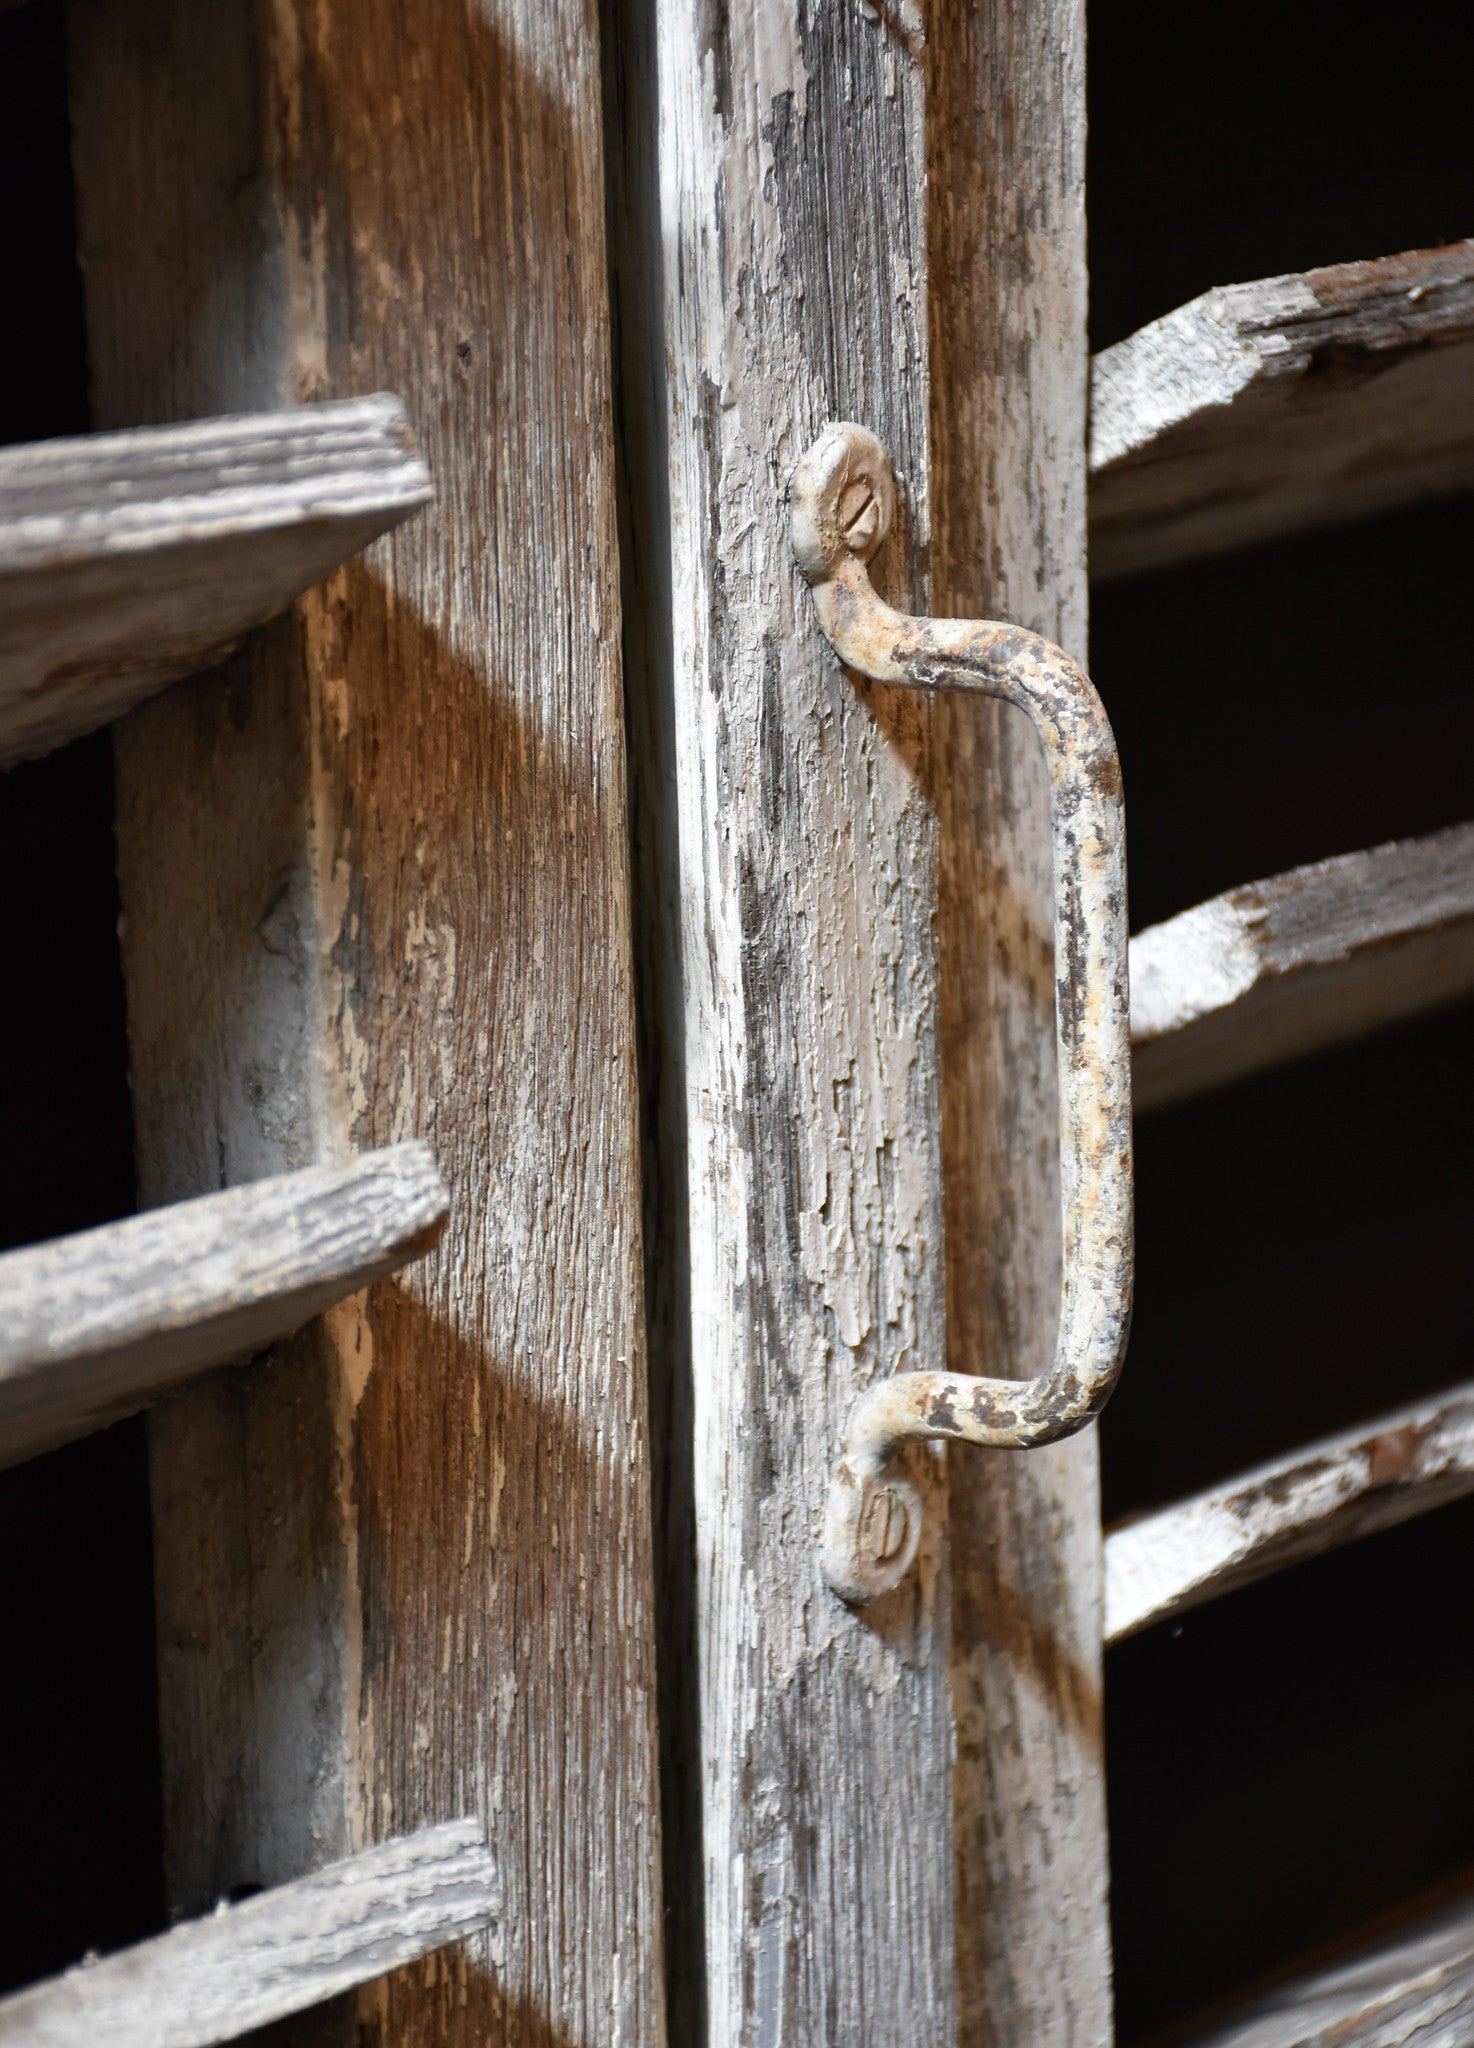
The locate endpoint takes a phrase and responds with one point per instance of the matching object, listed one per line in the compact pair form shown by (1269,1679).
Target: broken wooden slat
(1307,959)
(1314,1499)
(281,1952)
(1415,1985)
(130,559)
(1298,401)
(94,1326)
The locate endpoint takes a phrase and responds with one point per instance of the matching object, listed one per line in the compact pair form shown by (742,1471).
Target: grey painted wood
(1415,1986)
(375,881)
(281,1952)
(1298,401)
(128,560)
(792,182)
(1276,969)
(1313,1499)
(95,1326)
(1006,184)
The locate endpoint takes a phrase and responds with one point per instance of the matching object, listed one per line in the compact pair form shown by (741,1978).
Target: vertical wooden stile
(375,885)
(792,194)
(1006,220)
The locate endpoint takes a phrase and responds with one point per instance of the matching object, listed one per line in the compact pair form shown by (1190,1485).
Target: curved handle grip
(841,501)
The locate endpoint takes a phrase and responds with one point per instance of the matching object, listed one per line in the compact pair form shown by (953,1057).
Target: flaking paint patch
(769,1940)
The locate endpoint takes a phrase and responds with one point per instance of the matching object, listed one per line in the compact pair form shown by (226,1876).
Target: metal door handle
(841,501)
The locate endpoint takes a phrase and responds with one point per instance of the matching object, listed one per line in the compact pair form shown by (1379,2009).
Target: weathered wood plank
(95,1326)
(1299,401)
(1006,222)
(1276,969)
(378,883)
(282,1952)
(792,187)
(1416,1985)
(1314,1499)
(129,560)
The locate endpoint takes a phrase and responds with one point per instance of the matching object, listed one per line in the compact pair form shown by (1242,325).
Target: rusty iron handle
(841,502)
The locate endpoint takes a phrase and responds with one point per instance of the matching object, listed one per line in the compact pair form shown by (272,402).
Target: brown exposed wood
(95,1326)
(1276,969)
(282,1952)
(1298,401)
(1416,1986)
(129,560)
(1312,1500)
(375,881)
(792,177)
(1006,222)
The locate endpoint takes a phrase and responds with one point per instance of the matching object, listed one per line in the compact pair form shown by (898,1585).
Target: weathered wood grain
(377,883)
(1313,1499)
(1299,401)
(282,1952)
(795,290)
(1414,1986)
(95,1326)
(1006,222)
(129,560)
(1276,969)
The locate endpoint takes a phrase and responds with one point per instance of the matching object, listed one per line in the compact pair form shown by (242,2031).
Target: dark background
(1289,1762)
(79,1776)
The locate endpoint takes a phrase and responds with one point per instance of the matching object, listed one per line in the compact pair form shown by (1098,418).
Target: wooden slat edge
(216,1978)
(130,559)
(1417,1984)
(1307,959)
(1314,1499)
(1292,402)
(143,486)
(94,1326)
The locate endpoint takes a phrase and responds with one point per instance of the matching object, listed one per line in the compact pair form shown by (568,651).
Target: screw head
(872,1529)
(885,1527)
(841,500)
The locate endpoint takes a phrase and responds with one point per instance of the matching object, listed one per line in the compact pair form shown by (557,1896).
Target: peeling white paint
(1201,961)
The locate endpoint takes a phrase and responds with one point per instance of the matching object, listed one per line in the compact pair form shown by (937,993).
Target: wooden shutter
(376,879)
